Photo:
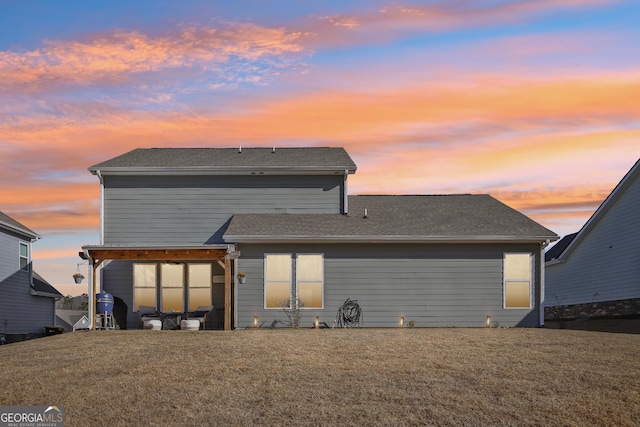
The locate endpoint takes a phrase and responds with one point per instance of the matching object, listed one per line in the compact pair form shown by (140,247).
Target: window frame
(27,258)
(291,280)
(154,287)
(506,280)
(188,285)
(297,281)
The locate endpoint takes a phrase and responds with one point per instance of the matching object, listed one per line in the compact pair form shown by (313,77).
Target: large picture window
(277,280)
(309,275)
(517,280)
(25,256)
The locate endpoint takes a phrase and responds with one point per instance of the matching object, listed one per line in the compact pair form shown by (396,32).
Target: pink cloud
(392,21)
(117,57)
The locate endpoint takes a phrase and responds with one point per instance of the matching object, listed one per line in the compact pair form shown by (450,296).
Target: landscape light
(488,322)
(402,321)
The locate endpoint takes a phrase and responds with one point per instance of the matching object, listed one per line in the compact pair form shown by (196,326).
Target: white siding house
(596,272)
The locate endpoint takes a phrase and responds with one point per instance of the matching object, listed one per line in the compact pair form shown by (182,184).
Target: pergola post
(227,294)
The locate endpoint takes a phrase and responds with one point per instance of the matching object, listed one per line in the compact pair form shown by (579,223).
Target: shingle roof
(12,224)
(397,218)
(558,248)
(224,158)
(44,288)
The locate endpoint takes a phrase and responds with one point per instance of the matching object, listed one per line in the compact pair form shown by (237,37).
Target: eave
(20,230)
(226,170)
(387,239)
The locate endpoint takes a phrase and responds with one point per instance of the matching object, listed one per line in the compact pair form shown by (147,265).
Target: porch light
(488,322)
(402,321)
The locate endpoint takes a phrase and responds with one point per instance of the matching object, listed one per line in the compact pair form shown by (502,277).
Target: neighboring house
(178,225)
(596,272)
(27,301)
(71,320)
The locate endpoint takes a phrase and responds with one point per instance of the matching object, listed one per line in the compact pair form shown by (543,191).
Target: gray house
(596,272)
(27,301)
(180,225)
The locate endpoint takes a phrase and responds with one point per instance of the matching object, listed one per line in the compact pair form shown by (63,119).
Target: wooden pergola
(96,255)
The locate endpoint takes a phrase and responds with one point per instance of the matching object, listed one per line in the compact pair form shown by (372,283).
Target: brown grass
(329,377)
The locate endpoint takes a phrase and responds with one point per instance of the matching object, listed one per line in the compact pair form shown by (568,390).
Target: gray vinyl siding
(20,312)
(606,261)
(431,285)
(196,209)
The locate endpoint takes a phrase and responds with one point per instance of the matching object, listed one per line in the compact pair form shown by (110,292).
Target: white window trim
(297,282)
(20,257)
(504,281)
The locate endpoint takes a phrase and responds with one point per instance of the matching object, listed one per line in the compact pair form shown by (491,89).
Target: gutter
(31,234)
(236,170)
(385,239)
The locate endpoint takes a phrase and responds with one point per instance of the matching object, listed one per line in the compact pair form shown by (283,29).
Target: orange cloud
(56,206)
(117,57)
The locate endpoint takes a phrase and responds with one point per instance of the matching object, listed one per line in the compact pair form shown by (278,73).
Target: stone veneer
(618,308)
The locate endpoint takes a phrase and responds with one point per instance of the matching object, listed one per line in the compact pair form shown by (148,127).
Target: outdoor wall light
(402,321)
(487,323)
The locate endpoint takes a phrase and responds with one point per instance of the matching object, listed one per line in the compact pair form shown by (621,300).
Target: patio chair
(145,313)
(203,314)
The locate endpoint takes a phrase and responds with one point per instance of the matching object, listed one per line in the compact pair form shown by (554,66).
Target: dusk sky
(536,102)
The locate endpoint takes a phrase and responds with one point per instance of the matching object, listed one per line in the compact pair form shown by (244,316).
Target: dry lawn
(329,377)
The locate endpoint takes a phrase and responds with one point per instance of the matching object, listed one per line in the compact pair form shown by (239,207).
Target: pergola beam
(158,254)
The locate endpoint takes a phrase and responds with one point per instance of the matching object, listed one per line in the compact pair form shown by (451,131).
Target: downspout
(543,245)
(92,270)
(99,175)
(346,193)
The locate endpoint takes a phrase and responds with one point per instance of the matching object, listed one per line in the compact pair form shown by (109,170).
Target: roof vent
(273,150)
(366,215)
(240,149)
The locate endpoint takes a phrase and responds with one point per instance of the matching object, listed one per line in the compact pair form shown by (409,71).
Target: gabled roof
(42,288)
(443,218)
(228,160)
(11,224)
(555,251)
(627,180)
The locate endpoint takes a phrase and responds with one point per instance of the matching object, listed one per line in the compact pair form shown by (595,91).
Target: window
(171,287)
(199,285)
(144,285)
(517,280)
(25,258)
(277,281)
(309,274)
